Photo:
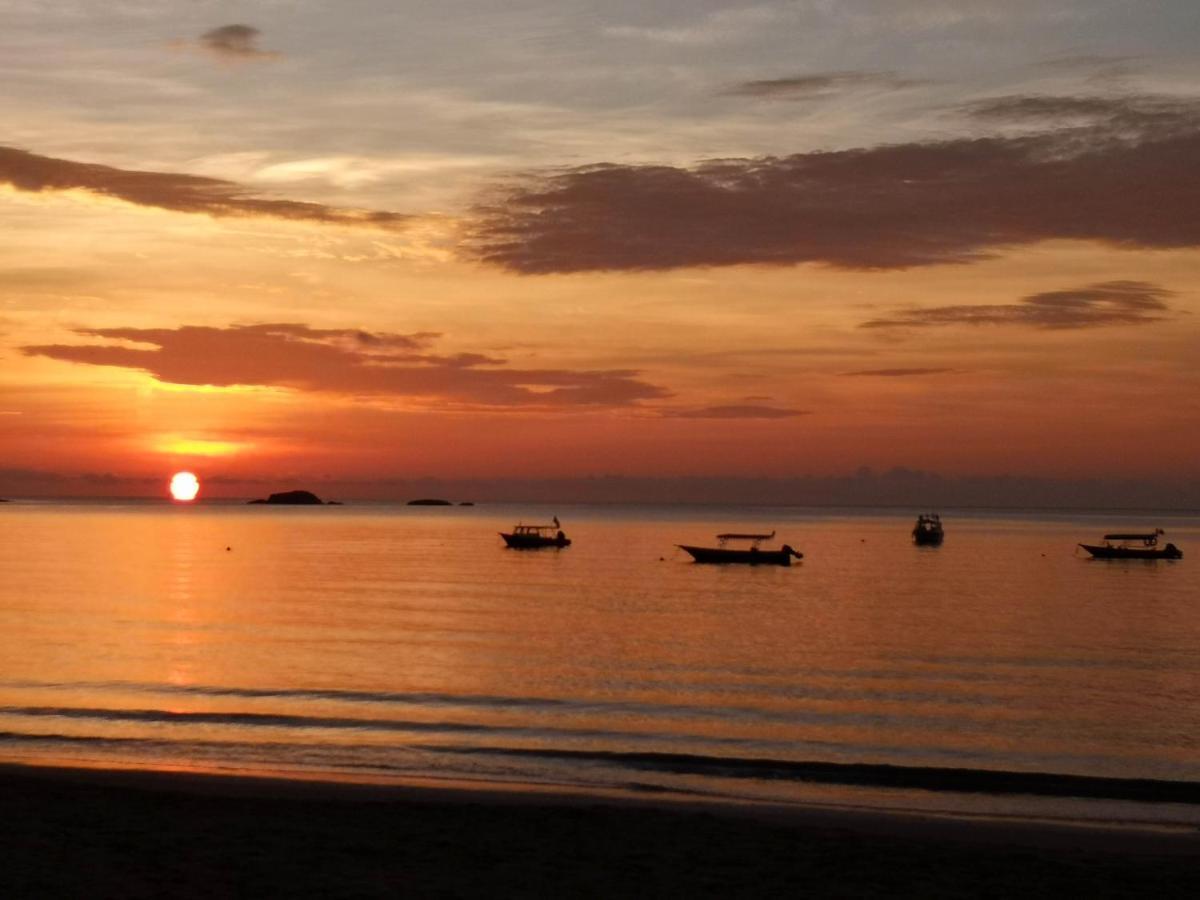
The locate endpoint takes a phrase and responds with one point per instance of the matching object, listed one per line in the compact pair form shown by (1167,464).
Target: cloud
(1096,67)
(168,190)
(16,475)
(235,43)
(720,26)
(1126,178)
(822,84)
(1137,116)
(1093,306)
(1087,61)
(733,412)
(346,361)
(897,373)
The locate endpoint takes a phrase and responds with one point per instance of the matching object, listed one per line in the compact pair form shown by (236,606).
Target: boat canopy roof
(734,536)
(1152,537)
(534,529)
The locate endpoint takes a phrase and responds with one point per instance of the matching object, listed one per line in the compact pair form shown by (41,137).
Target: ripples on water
(397,643)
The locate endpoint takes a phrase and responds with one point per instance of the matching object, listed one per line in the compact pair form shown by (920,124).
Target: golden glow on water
(409,643)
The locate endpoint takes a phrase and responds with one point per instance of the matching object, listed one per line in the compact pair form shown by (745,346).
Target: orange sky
(563,245)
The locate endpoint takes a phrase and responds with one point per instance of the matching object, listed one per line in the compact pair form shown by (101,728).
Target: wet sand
(78,832)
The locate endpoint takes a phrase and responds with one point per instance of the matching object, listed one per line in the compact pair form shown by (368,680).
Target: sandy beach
(82,832)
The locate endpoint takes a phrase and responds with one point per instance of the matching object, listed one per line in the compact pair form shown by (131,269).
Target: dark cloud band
(746,411)
(349,362)
(1127,178)
(168,190)
(823,84)
(235,42)
(897,373)
(1093,306)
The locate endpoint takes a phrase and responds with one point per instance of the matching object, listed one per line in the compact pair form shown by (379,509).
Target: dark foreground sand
(80,833)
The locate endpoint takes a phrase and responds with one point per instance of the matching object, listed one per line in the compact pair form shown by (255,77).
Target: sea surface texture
(1001,673)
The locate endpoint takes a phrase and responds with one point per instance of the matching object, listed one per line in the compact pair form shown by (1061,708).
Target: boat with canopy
(928,530)
(1133,546)
(753,554)
(533,537)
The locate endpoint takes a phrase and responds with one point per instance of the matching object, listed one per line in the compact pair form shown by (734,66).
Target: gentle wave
(782,691)
(936,779)
(270,720)
(341,723)
(930,778)
(907,719)
(407,697)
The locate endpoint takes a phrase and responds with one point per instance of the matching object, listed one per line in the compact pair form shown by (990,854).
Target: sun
(184,487)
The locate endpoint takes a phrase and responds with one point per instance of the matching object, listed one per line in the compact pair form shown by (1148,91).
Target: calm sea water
(400,643)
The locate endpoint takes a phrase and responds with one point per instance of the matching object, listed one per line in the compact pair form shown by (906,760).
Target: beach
(125,833)
(385,701)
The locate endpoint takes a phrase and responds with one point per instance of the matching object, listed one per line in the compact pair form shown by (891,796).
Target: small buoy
(227,549)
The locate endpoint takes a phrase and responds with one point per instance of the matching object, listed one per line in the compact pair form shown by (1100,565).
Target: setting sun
(184,487)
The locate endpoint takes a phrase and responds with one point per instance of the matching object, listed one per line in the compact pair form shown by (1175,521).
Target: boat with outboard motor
(928,530)
(534,537)
(1133,546)
(752,555)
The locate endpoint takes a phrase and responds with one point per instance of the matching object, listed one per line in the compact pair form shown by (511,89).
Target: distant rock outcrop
(429,501)
(293,498)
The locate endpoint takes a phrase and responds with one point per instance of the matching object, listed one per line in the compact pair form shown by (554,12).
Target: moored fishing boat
(752,555)
(928,530)
(533,537)
(1133,546)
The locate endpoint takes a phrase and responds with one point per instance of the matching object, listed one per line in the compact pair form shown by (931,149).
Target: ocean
(1001,674)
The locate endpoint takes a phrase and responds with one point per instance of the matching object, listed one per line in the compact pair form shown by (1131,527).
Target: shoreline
(131,832)
(1032,829)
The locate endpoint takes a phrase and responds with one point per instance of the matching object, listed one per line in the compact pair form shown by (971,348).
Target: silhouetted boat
(1133,546)
(928,530)
(751,555)
(534,537)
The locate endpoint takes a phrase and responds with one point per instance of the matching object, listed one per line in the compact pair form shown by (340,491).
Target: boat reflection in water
(534,537)
(928,530)
(752,555)
(1133,546)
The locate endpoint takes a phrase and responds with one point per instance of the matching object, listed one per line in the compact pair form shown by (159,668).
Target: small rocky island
(296,498)
(429,501)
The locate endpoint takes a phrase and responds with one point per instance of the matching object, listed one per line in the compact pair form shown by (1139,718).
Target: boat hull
(534,541)
(1171,552)
(927,538)
(721,556)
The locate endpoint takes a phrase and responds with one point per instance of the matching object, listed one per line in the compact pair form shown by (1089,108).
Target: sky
(288,242)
